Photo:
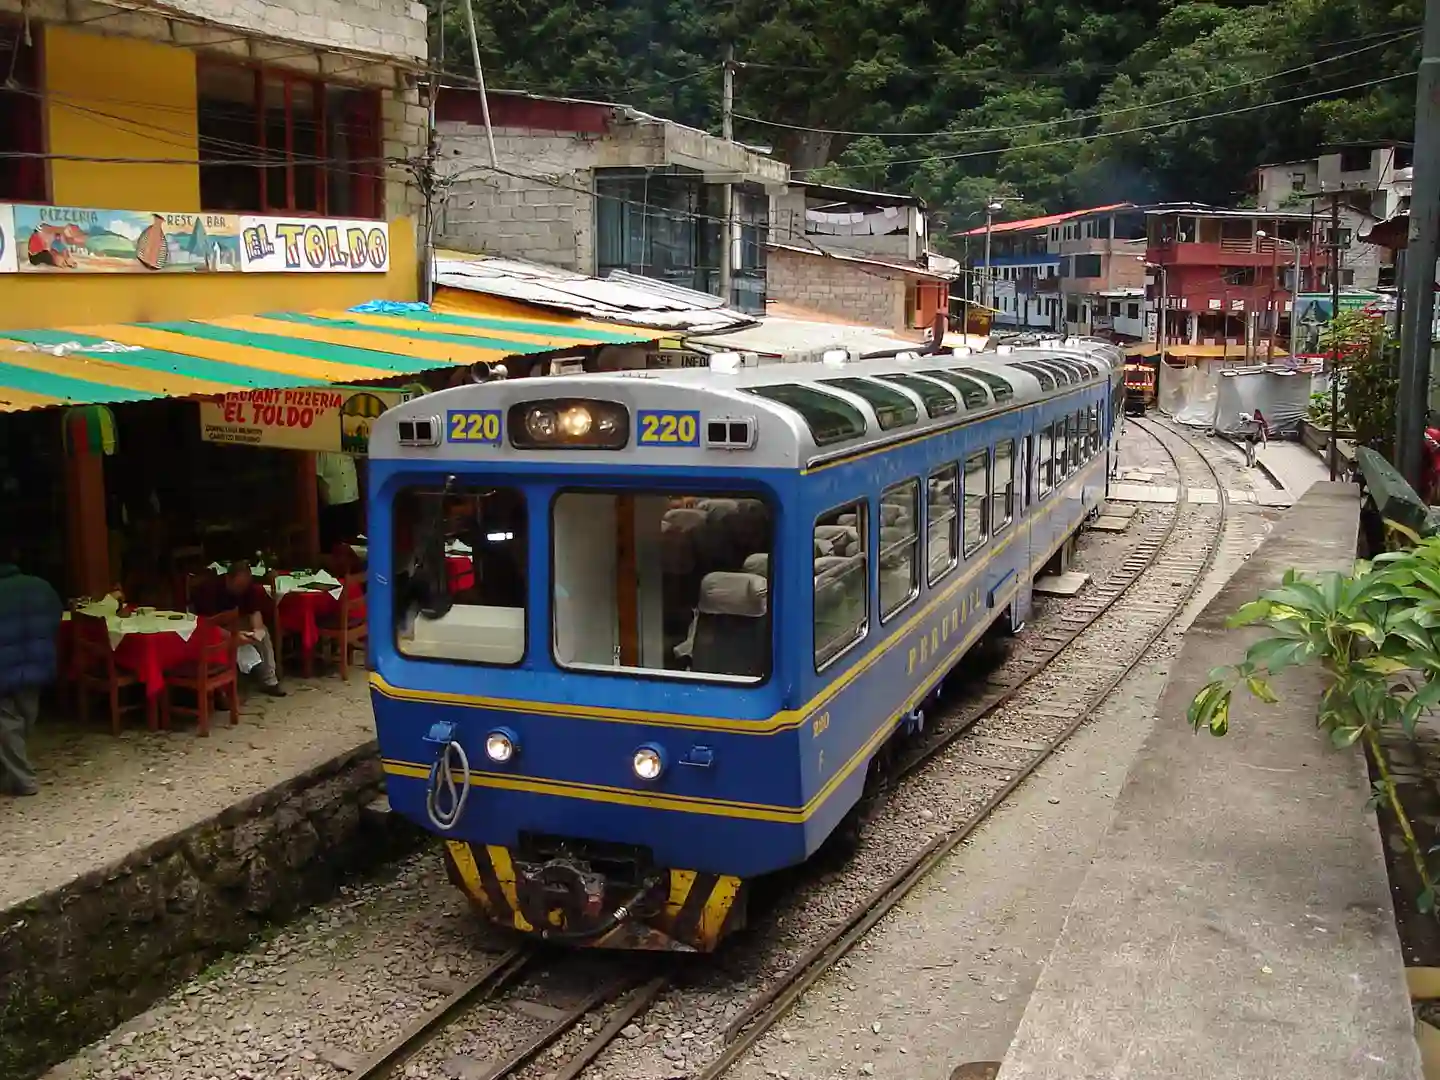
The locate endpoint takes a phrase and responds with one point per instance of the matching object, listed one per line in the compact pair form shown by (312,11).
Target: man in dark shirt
(238,591)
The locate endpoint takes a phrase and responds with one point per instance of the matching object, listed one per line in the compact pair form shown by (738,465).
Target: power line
(1078,118)
(1168,124)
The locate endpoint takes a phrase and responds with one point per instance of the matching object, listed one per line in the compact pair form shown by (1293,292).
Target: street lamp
(1160,304)
(991,209)
(1294,292)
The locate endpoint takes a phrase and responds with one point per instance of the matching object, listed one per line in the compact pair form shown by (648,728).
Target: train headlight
(648,763)
(501,745)
(569,424)
(541,423)
(576,421)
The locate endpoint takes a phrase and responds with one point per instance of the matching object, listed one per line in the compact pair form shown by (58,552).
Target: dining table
(303,600)
(144,641)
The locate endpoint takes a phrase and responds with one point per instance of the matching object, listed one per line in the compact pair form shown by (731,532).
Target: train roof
(770,415)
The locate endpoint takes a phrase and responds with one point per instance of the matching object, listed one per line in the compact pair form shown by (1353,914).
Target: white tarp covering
(1281,394)
(1188,393)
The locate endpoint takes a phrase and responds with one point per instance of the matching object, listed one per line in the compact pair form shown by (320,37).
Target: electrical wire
(1080,117)
(1165,126)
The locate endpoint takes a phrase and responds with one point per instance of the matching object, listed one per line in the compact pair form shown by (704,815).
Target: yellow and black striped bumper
(696,914)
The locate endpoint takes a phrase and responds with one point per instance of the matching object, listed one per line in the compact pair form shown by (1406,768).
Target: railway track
(570,999)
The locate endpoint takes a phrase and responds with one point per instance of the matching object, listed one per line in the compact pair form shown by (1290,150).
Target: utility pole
(480,80)
(1419,307)
(727,191)
(1333,452)
(988,285)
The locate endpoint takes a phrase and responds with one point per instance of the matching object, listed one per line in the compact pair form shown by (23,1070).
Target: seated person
(238,591)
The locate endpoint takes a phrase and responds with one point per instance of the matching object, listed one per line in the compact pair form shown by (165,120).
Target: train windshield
(662,584)
(460,558)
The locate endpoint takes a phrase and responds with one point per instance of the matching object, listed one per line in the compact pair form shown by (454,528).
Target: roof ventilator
(837,357)
(726,363)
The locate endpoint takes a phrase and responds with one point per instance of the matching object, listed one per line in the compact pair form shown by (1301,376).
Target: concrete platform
(148,855)
(1067,584)
(1236,921)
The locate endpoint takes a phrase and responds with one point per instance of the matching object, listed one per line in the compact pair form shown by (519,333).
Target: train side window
(977,500)
(842,608)
(899,547)
(999,386)
(1029,470)
(829,418)
(661,583)
(1062,449)
(459,574)
(1047,453)
(943,522)
(1077,440)
(971,390)
(1004,511)
(938,400)
(1094,415)
(892,408)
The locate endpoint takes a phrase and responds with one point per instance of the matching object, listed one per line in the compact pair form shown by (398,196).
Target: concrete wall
(534,206)
(1276,184)
(864,294)
(87,956)
(391,27)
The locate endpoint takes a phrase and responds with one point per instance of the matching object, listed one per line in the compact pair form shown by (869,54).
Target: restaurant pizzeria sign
(329,419)
(82,240)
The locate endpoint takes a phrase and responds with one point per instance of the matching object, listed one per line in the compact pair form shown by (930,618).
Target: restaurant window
(275,141)
(22,130)
(460,574)
(842,610)
(899,547)
(943,523)
(1004,511)
(977,500)
(662,584)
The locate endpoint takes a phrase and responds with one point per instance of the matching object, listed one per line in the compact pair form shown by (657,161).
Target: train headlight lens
(647,763)
(541,424)
(500,746)
(576,421)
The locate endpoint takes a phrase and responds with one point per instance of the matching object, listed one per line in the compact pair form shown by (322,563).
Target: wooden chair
(349,628)
(211,672)
(97,674)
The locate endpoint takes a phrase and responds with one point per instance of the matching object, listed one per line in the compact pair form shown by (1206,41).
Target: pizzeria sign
(328,419)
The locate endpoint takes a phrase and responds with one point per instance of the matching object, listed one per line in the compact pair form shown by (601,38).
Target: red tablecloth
(461,570)
(302,610)
(147,656)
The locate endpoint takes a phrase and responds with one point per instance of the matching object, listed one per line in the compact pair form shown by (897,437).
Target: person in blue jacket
(30,612)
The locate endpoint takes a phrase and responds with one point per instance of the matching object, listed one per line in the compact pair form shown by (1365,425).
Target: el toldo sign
(329,419)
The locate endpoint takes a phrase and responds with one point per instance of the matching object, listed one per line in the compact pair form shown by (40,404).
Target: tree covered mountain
(1054,103)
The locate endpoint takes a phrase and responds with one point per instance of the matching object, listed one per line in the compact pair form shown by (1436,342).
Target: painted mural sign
(326,419)
(1312,313)
(75,240)
(314,246)
(7,241)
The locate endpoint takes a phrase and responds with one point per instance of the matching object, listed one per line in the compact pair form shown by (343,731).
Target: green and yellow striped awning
(122,362)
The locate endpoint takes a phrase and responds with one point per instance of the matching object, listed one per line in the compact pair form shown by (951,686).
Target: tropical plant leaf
(1342,737)
(1261,689)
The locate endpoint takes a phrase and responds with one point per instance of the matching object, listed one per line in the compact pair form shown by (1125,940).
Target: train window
(1077,440)
(662,584)
(892,408)
(1047,453)
(899,547)
(829,418)
(998,385)
(1027,468)
(942,552)
(1047,380)
(460,574)
(974,393)
(1094,417)
(1004,511)
(938,400)
(842,608)
(977,500)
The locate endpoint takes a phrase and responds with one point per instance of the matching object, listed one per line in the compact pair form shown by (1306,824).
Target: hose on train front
(614,919)
(444,799)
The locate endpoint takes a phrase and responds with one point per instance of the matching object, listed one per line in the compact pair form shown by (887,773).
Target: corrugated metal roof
(620,297)
(897,267)
(1038,223)
(138,361)
(802,341)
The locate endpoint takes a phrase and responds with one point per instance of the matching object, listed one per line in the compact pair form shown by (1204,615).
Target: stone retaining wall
(80,959)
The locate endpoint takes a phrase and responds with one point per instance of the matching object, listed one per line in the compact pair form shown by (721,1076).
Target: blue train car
(637,637)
